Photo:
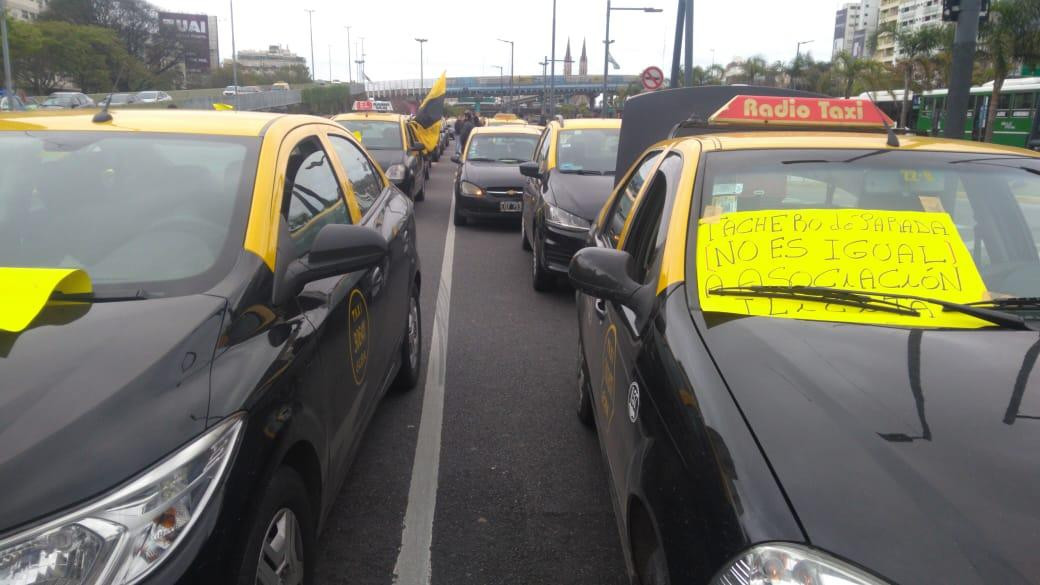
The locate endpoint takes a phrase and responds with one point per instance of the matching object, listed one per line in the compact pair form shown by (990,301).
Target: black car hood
(387,158)
(906,452)
(91,395)
(493,175)
(582,195)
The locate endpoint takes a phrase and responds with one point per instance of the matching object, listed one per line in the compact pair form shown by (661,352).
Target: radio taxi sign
(788,111)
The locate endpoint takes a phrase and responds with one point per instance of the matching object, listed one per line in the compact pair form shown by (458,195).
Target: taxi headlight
(789,564)
(126,534)
(470,190)
(558,217)
(396,173)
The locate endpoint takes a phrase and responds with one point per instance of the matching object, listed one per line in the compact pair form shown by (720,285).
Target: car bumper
(559,245)
(488,206)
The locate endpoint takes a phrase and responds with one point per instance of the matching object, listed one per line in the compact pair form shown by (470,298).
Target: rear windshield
(376,135)
(161,213)
(886,221)
(505,148)
(587,150)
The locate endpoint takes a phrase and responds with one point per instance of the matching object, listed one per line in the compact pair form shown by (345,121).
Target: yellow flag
(427,121)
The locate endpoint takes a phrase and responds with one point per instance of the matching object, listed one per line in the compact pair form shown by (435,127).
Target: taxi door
(533,187)
(622,401)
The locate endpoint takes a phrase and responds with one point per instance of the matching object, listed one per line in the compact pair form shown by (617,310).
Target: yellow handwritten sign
(897,252)
(25,291)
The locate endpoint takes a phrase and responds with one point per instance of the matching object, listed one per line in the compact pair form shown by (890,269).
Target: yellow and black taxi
(199,312)
(488,183)
(568,182)
(809,348)
(393,144)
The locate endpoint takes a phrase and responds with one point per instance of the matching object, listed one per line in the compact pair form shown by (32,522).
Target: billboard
(193,31)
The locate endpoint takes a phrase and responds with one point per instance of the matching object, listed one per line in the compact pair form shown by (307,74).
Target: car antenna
(893,140)
(104,116)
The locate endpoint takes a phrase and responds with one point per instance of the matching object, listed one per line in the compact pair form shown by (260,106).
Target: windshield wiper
(585,172)
(871,300)
(480,159)
(138,295)
(1012,304)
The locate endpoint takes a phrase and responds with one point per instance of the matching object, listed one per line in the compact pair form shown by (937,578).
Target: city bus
(1016,122)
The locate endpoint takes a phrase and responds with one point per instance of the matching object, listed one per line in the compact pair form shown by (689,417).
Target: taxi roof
(589,123)
(507,129)
(769,140)
(367,115)
(144,120)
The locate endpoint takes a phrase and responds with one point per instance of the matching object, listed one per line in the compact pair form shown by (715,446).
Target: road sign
(652,78)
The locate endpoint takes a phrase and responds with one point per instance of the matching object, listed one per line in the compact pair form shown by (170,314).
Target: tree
(1011,35)
(715,74)
(754,68)
(913,44)
(849,71)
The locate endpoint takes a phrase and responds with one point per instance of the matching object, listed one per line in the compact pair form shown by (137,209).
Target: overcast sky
(462,33)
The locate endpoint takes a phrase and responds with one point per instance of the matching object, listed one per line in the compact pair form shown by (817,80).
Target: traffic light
(951,10)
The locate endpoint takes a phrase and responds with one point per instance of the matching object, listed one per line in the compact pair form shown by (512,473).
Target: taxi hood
(493,175)
(92,394)
(909,452)
(582,195)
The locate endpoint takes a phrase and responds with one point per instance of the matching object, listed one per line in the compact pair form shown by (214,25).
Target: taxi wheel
(584,392)
(525,244)
(411,346)
(459,219)
(280,543)
(541,279)
(421,195)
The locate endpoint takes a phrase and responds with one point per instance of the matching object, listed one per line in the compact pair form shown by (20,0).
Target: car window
(362,175)
(313,197)
(543,147)
(587,150)
(615,220)
(501,147)
(645,237)
(375,134)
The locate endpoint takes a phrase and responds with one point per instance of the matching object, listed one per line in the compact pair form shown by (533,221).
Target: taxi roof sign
(801,111)
(373,106)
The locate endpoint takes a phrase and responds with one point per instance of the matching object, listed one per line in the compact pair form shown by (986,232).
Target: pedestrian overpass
(495,86)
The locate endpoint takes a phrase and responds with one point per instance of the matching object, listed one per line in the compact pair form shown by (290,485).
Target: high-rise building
(886,45)
(906,15)
(854,23)
(583,61)
(274,58)
(568,61)
(26,9)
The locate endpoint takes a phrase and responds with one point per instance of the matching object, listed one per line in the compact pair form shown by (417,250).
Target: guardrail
(267,100)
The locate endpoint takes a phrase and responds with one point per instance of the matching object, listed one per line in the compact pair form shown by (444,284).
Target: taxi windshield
(587,150)
(160,213)
(883,221)
(376,135)
(507,148)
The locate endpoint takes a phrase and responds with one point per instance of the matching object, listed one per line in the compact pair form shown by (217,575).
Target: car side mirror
(455,159)
(531,169)
(337,249)
(604,273)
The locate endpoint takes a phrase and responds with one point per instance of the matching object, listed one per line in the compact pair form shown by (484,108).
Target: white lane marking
(413,561)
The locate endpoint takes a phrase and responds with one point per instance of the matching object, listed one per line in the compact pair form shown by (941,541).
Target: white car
(229,91)
(153,97)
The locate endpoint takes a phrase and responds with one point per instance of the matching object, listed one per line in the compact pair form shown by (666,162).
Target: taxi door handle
(377,277)
(601,308)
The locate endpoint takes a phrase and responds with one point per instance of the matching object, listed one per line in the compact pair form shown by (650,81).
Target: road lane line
(413,565)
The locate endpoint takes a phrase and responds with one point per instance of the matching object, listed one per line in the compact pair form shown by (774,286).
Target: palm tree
(913,45)
(1011,35)
(849,70)
(715,73)
(754,68)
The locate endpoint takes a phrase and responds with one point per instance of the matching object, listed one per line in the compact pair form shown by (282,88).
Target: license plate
(510,206)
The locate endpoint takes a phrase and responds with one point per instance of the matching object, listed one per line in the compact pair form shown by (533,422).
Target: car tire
(541,279)
(525,244)
(585,414)
(458,218)
(284,520)
(654,569)
(411,346)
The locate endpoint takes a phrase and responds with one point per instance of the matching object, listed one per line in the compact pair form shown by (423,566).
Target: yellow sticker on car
(878,252)
(358,325)
(24,292)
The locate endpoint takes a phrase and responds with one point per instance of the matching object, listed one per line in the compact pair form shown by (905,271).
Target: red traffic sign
(652,78)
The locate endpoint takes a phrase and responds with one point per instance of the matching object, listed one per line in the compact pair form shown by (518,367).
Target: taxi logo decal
(606,394)
(358,326)
(633,402)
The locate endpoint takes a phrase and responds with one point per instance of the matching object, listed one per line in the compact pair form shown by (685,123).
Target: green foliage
(223,76)
(327,100)
(1012,35)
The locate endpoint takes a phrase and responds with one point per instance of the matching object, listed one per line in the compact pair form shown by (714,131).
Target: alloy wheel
(281,558)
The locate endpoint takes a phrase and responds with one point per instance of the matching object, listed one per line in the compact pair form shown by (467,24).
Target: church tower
(568,61)
(583,61)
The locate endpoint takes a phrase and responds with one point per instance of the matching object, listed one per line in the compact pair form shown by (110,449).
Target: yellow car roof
(838,140)
(147,120)
(380,116)
(507,129)
(591,123)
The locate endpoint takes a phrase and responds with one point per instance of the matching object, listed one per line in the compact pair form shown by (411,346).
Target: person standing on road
(467,126)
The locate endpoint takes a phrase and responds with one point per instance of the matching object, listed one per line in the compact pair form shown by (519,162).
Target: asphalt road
(521,488)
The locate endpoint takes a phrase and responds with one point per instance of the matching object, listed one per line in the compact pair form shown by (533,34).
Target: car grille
(506,191)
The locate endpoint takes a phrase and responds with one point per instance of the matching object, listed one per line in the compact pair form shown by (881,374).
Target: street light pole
(797,56)
(421,43)
(545,84)
(234,54)
(8,81)
(552,67)
(607,42)
(501,82)
(961,68)
(512,101)
(310,19)
(350,70)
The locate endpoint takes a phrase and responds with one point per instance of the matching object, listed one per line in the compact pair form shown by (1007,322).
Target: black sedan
(488,183)
(394,146)
(232,295)
(778,399)
(567,183)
